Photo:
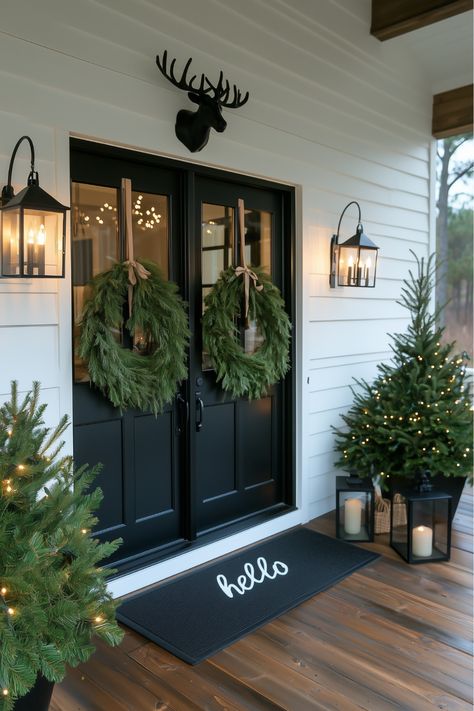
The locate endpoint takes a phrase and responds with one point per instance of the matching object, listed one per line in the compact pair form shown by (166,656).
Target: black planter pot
(38,697)
(453,485)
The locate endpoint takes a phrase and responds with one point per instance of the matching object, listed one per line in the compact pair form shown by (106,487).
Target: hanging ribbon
(136,270)
(244,270)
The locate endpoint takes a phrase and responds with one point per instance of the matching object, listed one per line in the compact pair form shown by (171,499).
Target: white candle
(422,541)
(352,516)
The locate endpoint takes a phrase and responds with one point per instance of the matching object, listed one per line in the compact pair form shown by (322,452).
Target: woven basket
(399,511)
(382,513)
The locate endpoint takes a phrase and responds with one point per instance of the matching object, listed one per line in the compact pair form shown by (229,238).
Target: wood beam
(391,18)
(452,112)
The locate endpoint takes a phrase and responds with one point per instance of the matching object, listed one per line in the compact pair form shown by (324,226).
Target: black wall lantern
(192,127)
(353,262)
(33,226)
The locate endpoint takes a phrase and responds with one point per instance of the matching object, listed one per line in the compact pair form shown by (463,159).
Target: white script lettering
(251,577)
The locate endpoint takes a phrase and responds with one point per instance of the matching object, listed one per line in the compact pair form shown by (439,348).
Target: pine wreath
(128,379)
(240,373)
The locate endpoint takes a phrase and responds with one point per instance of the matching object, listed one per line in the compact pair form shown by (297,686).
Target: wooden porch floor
(391,636)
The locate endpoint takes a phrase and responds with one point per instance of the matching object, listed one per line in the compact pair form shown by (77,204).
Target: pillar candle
(422,541)
(352,516)
(30,255)
(40,247)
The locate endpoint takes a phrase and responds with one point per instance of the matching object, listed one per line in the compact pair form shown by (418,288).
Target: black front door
(238,459)
(208,461)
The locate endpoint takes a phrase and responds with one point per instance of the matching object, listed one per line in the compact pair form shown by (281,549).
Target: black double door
(208,462)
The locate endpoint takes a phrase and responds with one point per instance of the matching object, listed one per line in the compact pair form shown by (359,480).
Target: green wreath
(240,373)
(128,379)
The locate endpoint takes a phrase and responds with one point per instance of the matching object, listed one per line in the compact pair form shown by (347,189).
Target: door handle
(183,416)
(199,413)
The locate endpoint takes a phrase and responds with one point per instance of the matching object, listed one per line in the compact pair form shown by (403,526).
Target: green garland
(128,379)
(240,373)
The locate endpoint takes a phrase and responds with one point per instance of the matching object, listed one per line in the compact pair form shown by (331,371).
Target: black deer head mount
(192,127)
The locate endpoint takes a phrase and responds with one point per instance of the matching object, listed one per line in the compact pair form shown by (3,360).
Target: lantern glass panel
(399,523)
(43,243)
(441,534)
(368,266)
(10,242)
(354,511)
(348,266)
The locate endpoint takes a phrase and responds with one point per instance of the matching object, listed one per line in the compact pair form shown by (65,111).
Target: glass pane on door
(95,248)
(258,241)
(217,242)
(150,226)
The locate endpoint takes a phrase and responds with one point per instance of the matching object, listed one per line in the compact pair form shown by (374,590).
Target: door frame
(189,172)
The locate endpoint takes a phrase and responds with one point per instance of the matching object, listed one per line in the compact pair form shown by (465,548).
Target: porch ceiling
(444,51)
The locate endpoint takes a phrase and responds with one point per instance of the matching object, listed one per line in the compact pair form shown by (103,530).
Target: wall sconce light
(353,262)
(33,227)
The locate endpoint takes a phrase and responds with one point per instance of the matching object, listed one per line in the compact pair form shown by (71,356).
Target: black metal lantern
(353,262)
(33,228)
(424,534)
(355,509)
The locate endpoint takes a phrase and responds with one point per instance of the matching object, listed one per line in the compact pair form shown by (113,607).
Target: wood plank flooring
(390,637)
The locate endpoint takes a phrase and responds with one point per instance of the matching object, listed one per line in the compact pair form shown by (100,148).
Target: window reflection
(217,242)
(258,241)
(150,228)
(96,248)
(150,241)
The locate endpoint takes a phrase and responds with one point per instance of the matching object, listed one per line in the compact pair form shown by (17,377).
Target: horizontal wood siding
(331,110)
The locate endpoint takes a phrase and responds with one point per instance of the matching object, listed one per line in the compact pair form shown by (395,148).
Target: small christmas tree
(416,415)
(53,598)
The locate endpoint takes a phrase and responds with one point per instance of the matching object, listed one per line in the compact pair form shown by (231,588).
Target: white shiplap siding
(332,111)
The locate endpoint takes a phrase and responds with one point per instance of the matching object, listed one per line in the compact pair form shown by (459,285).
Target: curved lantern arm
(7,192)
(353,202)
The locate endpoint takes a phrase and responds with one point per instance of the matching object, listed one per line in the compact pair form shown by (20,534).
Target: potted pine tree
(53,595)
(415,417)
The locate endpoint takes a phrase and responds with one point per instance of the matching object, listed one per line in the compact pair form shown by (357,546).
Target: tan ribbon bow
(244,270)
(136,270)
(248,274)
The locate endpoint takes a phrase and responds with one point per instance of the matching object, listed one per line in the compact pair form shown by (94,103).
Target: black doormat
(201,612)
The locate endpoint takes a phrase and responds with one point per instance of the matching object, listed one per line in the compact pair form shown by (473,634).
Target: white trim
(65,379)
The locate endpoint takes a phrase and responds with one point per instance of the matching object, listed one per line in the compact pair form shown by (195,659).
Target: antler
(182,83)
(220,91)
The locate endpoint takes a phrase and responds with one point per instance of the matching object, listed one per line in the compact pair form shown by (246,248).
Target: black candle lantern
(355,509)
(33,227)
(424,534)
(353,262)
